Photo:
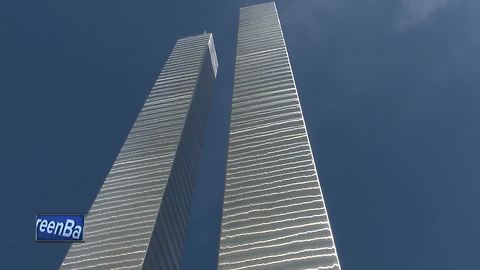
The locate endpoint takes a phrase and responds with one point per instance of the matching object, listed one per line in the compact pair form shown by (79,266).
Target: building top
(211,48)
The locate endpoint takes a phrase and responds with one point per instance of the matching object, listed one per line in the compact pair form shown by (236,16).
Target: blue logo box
(59,227)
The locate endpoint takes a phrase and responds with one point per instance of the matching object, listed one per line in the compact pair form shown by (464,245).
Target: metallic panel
(274,216)
(139,217)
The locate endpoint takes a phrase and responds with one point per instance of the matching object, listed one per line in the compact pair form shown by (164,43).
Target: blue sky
(389,89)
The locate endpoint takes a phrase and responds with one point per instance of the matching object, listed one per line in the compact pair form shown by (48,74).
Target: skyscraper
(139,217)
(274,215)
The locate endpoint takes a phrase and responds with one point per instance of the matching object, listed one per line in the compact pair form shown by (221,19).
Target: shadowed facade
(140,215)
(274,216)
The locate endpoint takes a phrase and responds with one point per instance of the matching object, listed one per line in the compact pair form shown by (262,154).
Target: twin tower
(274,216)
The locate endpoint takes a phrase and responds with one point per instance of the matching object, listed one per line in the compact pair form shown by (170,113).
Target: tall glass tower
(274,215)
(139,218)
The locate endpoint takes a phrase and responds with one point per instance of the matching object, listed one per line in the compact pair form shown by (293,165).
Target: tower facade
(274,216)
(139,217)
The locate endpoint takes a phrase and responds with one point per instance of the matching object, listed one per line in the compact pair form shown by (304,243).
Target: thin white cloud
(305,16)
(414,12)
